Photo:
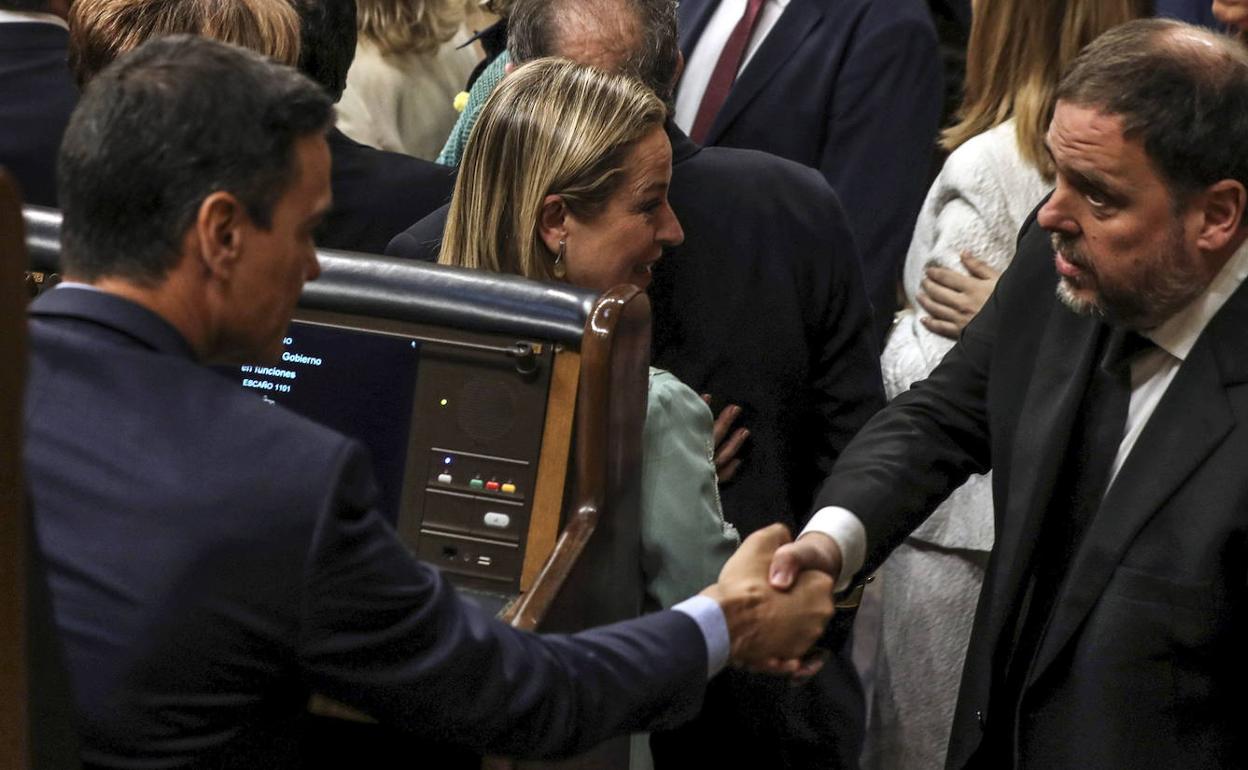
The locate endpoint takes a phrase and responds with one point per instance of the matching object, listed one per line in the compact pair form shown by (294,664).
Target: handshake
(775,612)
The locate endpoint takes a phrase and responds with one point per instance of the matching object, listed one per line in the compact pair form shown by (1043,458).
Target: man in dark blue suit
(761,306)
(213,560)
(850,87)
(36,93)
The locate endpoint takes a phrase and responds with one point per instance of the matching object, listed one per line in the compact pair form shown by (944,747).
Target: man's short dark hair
(1182,91)
(162,128)
(328,45)
(534,27)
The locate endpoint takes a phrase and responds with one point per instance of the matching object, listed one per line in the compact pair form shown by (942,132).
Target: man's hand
(765,625)
(812,551)
(953,299)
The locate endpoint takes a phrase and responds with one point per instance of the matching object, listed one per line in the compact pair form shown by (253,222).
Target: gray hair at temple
(1181,90)
(631,37)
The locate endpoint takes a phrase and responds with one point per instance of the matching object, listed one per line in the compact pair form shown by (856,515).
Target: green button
(476,484)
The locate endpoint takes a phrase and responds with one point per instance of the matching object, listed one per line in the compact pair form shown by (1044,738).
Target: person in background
(36,93)
(412,58)
(565,178)
(102,30)
(376,193)
(482,81)
(999,170)
(852,88)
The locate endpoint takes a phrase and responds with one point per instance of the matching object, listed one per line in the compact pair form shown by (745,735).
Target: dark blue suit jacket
(37,95)
(214,559)
(377,194)
(854,89)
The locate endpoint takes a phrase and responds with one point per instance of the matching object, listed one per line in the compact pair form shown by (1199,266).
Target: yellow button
(509,489)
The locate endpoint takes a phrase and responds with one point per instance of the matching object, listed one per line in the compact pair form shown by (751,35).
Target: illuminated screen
(359,383)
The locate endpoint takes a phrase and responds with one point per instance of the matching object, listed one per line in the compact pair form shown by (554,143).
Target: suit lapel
(692,16)
(799,19)
(1193,417)
(1063,366)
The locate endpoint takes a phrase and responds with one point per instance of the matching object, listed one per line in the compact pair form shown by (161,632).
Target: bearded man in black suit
(1104,383)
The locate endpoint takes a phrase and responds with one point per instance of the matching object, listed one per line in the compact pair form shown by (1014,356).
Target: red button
(491,486)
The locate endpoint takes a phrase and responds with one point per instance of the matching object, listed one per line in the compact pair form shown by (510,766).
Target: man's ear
(219,232)
(509,68)
(1222,214)
(680,70)
(552,222)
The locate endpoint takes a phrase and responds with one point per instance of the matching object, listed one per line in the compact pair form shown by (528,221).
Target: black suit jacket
(377,194)
(1142,665)
(762,306)
(37,96)
(854,89)
(213,559)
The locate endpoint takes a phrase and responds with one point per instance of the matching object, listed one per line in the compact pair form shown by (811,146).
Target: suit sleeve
(925,444)
(878,147)
(386,634)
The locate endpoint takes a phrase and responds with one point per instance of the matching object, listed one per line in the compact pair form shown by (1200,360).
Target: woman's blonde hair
(550,128)
(102,30)
(1017,52)
(409,26)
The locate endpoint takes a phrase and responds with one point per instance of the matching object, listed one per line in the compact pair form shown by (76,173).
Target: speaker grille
(486,408)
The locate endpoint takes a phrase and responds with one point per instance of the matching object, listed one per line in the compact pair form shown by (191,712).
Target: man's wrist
(707,612)
(840,526)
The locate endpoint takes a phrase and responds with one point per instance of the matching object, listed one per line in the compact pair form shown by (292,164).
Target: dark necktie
(1081,486)
(725,72)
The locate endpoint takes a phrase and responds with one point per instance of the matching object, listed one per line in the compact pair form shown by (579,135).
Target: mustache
(1065,246)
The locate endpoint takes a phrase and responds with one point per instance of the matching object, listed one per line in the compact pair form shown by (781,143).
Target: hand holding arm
(953,299)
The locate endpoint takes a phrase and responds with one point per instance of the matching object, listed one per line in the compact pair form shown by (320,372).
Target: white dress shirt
(705,54)
(27,17)
(1151,375)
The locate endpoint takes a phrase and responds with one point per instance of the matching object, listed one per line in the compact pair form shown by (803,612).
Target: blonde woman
(998,171)
(412,58)
(564,178)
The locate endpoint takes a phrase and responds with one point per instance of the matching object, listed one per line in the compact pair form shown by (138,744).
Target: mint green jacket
(684,538)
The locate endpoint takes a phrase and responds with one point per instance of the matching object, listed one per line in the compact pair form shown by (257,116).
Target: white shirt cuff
(847,531)
(707,613)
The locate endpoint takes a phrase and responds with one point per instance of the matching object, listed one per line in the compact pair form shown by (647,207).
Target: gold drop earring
(560,269)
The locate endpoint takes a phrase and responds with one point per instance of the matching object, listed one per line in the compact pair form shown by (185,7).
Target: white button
(499,520)
(444,478)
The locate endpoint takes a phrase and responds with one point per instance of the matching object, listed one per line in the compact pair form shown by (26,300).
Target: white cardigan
(977,204)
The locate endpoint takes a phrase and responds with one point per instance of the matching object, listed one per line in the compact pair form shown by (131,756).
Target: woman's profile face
(621,244)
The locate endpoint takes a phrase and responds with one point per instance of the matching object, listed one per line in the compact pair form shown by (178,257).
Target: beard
(1166,280)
